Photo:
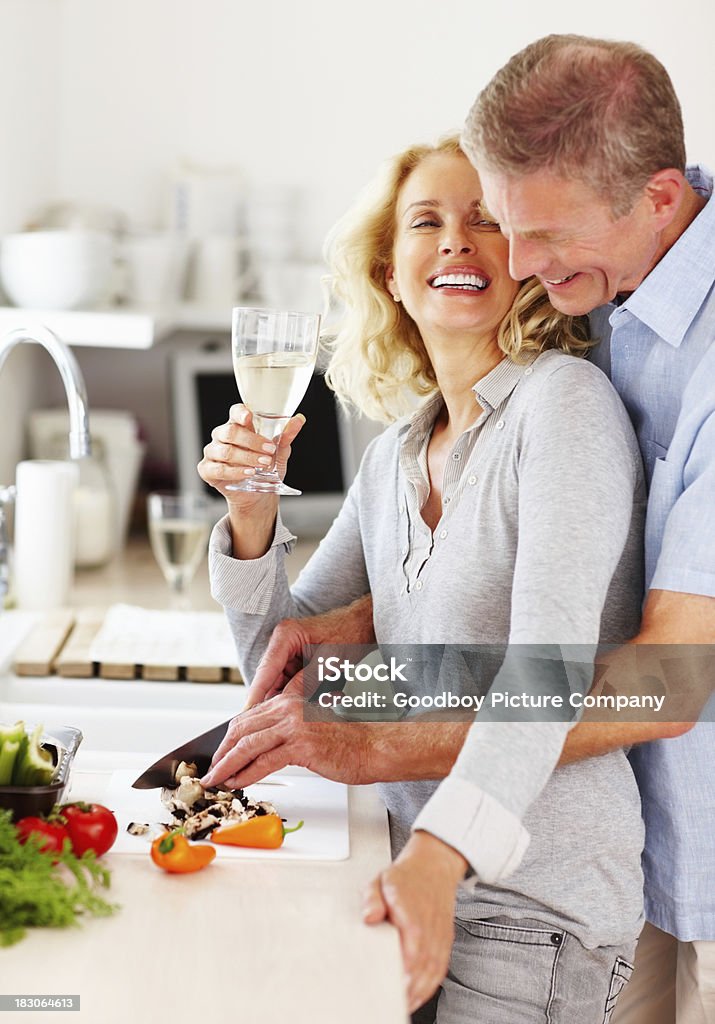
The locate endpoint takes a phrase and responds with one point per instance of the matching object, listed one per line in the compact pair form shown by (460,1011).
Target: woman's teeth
(560,280)
(470,282)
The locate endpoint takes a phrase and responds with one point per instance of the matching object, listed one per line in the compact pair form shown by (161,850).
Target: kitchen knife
(200,750)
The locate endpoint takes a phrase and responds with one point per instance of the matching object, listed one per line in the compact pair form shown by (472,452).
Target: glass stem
(271,427)
(179,599)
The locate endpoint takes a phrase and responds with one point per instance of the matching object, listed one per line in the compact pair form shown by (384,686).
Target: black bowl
(25,801)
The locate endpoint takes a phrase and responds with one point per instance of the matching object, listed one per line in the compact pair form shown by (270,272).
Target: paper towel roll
(44,533)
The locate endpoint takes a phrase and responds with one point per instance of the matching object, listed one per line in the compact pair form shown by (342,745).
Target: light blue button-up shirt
(658,348)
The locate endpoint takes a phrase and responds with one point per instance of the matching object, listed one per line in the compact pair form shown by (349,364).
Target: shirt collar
(669,298)
(420,421)
(499,383)
(489,392)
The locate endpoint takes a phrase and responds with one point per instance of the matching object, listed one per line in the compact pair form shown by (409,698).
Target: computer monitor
(325,455)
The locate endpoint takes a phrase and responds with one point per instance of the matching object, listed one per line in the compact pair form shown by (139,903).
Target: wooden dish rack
(61,642)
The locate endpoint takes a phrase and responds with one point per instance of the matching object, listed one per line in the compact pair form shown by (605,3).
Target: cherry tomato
(50,834)
(89,827)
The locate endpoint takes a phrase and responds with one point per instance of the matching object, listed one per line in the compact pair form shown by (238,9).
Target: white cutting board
(320,803)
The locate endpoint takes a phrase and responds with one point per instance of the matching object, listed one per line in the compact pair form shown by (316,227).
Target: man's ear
(665,191)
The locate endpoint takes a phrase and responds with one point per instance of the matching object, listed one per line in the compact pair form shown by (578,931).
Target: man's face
(565,234)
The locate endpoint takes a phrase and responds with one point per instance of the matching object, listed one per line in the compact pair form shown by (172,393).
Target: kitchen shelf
(123,327)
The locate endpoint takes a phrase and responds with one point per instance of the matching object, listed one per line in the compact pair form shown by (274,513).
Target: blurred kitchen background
(188,156)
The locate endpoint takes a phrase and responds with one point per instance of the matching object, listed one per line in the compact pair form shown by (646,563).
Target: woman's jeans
(504,971)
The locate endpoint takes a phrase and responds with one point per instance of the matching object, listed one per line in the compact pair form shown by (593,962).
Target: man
(580,150)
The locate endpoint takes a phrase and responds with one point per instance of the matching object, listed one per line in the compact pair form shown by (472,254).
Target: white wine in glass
(274,356)
(179,526)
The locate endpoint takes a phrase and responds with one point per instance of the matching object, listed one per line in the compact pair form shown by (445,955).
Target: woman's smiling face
(450,262)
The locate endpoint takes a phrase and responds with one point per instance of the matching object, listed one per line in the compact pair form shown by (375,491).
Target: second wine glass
(274,355)
(179,527)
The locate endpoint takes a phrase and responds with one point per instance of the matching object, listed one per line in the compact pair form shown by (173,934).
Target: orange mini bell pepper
(265,832)
(173,852)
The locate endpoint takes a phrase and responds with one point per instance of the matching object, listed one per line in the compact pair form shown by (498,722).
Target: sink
(133,716)
(132,730)
(114,715)
(128,693)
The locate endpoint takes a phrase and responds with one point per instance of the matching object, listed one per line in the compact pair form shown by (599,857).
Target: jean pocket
(620,976)
(507,965)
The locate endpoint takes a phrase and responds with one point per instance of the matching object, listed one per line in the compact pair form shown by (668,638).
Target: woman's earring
(396,298)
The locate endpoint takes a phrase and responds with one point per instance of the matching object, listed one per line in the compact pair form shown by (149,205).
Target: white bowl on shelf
(57,269)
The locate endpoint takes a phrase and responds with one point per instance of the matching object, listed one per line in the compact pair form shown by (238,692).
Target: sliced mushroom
(136,828)
(189,791)
(186,769)
(201,810)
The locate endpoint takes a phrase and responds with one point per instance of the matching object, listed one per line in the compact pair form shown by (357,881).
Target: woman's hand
(417,894)
(234,454)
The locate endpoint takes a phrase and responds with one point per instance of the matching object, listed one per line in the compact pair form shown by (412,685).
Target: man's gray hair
(601,112)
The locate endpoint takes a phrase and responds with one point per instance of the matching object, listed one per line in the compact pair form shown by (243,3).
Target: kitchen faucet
(79,418)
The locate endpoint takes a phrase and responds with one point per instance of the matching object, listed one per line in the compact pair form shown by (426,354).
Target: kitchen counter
(134,577)
(257,940)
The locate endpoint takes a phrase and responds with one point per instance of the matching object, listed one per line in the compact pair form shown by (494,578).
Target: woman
(506,509)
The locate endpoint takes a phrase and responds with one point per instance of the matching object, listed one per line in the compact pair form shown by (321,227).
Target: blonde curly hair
(378,361)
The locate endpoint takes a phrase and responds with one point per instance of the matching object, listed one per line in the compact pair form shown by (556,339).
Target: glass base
(263,485)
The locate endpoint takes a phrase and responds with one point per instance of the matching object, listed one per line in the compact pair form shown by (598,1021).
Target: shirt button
(500,424)
(404,551)
(472,480)
(418,585)
(401,510)
(456,456)
(443,534)
(528,371)
(446,501)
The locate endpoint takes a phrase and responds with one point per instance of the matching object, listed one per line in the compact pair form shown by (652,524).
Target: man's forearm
(591,739)
(412,751)
(420,750)
(672,655)
(350,624)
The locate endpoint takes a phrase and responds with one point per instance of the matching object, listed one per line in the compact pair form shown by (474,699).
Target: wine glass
(274,356)
(179,526)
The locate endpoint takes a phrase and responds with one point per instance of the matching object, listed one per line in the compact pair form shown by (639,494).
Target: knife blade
(199,749)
